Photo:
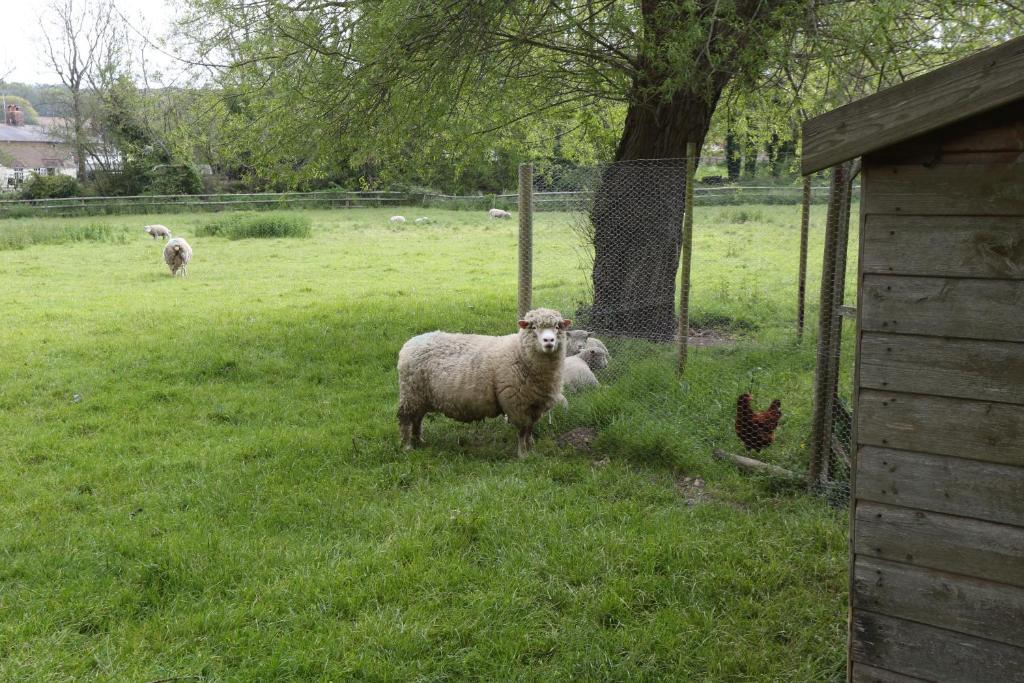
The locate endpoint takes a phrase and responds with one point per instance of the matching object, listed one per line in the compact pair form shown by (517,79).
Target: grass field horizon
(204,475)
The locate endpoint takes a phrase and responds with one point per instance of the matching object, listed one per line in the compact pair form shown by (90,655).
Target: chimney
(14,115)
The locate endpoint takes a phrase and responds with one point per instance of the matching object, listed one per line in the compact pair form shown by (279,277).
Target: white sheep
(577,375)
(471,377)
(177,254)
(398,219)
(595,353)
(578,372)
(499,213)
(578,340)
(156,231)
(422,219)
(575,341)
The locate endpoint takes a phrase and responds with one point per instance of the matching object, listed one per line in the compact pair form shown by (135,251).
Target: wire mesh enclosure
(749,387)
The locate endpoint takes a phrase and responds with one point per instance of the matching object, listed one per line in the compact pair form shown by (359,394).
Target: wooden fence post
(525,238)
(805,221)
(683,330)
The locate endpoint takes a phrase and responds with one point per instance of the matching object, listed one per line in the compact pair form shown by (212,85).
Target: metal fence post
(525,238)
(826,367)
(805,221)
(683,330)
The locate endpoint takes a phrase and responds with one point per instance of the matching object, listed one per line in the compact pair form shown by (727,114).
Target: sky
(22,57)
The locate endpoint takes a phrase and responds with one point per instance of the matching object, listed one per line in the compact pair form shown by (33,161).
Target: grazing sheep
(470,377)
(398,219)
(498,213)
(422,219)
(157,231)
(177,254)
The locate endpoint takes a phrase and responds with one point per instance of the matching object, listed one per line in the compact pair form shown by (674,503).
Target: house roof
(25,134)
(34,155)
(957,91)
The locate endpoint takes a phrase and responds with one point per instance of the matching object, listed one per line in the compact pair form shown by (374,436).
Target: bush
(174,179)
(51,187)
(19,234)
(237,226)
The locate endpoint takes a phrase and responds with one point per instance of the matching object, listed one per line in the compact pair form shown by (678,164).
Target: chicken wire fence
(606,246)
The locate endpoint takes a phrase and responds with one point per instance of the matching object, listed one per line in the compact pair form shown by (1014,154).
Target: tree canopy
(316,88)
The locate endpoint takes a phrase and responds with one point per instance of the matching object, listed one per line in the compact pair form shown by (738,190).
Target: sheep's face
(594,357)
(544,330)
(575,341)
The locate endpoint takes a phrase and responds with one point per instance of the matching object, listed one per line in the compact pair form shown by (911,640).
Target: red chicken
(756,429)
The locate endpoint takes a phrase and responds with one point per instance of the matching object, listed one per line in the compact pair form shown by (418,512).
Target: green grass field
(202,477)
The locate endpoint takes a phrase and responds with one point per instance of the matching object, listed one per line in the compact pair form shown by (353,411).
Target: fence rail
(554,200)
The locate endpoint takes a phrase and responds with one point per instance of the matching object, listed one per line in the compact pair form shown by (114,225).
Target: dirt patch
(708,337)
(580,439)
(692,490)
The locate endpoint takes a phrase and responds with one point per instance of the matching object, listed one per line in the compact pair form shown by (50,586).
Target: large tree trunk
(638,217)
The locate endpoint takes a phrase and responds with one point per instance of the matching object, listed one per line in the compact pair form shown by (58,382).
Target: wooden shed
(937,509)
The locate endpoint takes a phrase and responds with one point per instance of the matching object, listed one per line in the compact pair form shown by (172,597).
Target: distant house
(27,150)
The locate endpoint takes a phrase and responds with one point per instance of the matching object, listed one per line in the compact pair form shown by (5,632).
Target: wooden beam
(754,466)
(970,86)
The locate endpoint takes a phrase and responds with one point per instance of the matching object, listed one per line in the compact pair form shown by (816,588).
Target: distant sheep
(177,254)
(498,213)
(398,219)
(422,219)
(471,377)
(157,231)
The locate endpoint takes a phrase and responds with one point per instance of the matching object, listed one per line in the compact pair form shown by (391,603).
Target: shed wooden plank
(862,673)
(977,607)
(941,366)
(993,432)
(997,135)
(933,653)
(945,246)
(976,309)
(946,189)
(981,82)
(938,483)
(928,539)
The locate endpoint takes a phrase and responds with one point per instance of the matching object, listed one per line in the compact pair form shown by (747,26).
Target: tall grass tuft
(239,226)
(19,234)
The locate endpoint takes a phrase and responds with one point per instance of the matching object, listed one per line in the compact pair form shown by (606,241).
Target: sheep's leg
(405,429)
(417,430)
(410,426)
(525,440)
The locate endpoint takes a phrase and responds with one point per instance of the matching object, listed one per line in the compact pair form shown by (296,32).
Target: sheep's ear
(566,324)
(523,324)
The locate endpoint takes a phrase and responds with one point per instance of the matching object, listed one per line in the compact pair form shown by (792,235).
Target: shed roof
(957,91)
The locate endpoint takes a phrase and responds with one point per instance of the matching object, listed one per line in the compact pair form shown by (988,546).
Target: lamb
(398,219)
(157,231)
(471,377)
(177,254)
(422,219)
(498,213)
